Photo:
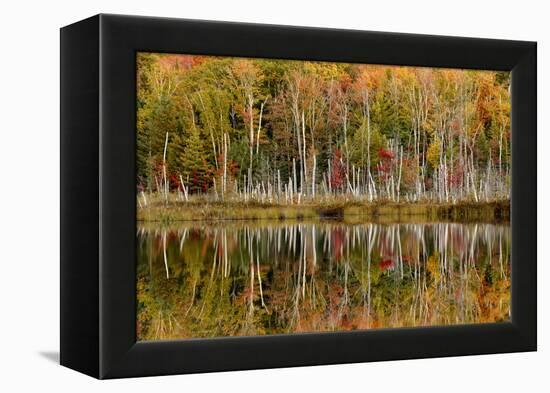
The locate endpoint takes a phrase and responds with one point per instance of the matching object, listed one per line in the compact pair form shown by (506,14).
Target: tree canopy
(257,127)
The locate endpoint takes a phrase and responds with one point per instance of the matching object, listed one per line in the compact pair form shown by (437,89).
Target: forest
(285,196)
(281,132)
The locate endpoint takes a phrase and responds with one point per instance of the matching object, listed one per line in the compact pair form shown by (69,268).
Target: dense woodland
(282,132)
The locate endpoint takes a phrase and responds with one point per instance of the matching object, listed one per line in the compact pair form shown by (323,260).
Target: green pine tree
(195,168)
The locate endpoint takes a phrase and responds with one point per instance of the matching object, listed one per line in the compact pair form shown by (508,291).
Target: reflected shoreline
(274,277)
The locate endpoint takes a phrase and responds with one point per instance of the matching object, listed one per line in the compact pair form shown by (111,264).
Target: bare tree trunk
(260,280)
(400,171)
(345,126)
(304,159)
(183,188)
(329,177)
(164,254)
(164,169)
(224,185)
(369,176)
(313,176)
(260,126)
(278,183)
(251,142)
(294,188)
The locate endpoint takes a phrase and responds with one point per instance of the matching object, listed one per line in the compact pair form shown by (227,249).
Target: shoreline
(201,210)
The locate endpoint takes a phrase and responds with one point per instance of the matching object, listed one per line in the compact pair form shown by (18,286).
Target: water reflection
(238,278)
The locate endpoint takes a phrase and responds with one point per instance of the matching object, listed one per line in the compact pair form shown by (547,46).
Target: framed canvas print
(238,196)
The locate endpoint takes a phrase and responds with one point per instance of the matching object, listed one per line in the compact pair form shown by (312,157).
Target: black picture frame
(98,204)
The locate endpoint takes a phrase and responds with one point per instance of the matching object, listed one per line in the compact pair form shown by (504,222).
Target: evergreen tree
(196,170)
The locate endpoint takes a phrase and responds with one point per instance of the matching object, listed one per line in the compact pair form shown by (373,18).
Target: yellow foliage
(433,266)
(433,152)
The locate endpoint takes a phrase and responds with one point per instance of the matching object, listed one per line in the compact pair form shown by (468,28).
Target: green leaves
(454,118)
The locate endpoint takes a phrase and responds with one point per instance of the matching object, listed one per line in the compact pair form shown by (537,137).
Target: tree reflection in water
(253,278)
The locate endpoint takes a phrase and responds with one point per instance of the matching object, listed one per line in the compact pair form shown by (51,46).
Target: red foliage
(195,234)
(173,181)
(386,264)
(173,178)
(408,259)
(384,166)
(204,249)
(232,168)
(385,154)
(337,238)
(384,169)
(198,183)
(457,177)
(338,170)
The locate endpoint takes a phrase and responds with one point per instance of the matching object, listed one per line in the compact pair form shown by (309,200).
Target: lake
(243,278)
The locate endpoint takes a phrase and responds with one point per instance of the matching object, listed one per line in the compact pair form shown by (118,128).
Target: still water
(241,278)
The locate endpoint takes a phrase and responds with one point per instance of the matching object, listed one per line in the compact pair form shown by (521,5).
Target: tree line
(285,131)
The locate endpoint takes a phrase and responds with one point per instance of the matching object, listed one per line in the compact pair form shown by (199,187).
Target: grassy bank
(496,211)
